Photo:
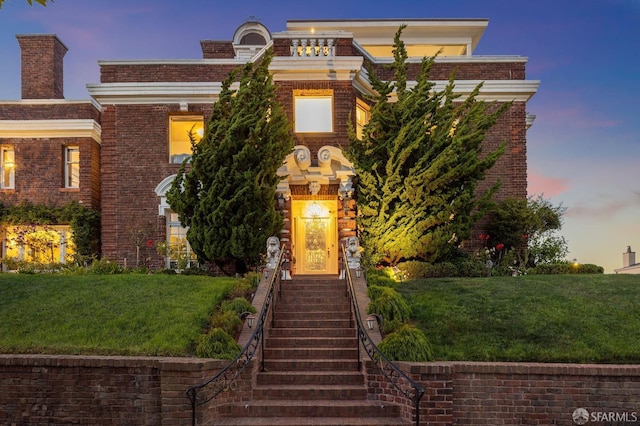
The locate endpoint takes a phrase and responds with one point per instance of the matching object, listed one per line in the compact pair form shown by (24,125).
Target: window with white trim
(7,167)
(363,115)
(72,167)
(313,111)
(178,254)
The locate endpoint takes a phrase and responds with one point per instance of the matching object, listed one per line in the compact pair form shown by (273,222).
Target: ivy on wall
(84,223)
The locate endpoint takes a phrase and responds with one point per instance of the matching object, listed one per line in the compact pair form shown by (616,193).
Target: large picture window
(7,168)
(313,110)
(180,129)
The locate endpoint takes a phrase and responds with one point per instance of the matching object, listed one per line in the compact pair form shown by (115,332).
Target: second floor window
(72,167)
(313,110)
(180,127)
(362,117)
(7,168)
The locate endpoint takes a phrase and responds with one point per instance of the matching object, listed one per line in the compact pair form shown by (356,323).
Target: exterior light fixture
(358,271)
(372,319)
(249,317)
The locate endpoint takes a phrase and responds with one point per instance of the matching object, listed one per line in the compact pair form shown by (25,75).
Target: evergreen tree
(226,195)
(418,164)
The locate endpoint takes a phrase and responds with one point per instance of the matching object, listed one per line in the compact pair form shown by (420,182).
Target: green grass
(560,318)
(128,314)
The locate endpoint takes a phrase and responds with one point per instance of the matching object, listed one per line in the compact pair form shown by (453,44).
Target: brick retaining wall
(48,389)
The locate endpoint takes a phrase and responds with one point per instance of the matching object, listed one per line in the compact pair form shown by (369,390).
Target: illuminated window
(72,167)
(7,167)
(181,129)
(179,254)
(362,117)
(313,111)
(39,243)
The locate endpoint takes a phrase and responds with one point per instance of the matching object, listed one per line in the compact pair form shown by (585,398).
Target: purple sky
(583,149)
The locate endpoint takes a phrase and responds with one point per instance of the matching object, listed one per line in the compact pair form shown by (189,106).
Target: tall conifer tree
(226,194)
(418,164)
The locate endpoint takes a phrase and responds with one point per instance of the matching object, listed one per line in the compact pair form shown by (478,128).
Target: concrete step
(311,315)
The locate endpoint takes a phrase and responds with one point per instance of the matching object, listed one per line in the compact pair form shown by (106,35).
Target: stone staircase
(311,363)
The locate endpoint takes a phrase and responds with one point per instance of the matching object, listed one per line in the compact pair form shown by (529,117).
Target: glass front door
(315,239)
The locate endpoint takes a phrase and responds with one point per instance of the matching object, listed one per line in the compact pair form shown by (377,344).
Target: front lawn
(125,314)
(544,318)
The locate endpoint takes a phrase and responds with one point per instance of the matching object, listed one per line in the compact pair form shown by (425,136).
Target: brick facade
(123,165)
(42,389)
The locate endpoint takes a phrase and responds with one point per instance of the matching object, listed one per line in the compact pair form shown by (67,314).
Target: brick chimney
(41,66)
(628,258)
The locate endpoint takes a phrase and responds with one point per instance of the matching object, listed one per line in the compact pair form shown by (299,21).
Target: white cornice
(40,129)
(28,102)
(154,93)
(326,68)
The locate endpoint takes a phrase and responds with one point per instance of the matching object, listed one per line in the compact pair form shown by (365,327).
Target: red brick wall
(217,49)
(466,393)
(39,172)
(135,159)
(42,66)
(44,389)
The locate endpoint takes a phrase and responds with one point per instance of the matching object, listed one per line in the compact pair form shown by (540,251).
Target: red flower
(149,243)
(500,246)
(525,237)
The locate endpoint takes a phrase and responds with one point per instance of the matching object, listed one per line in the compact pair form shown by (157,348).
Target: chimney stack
(42,66)
(628,258)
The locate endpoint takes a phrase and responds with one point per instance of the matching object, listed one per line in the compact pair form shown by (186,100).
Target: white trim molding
(41,129)
(155,93)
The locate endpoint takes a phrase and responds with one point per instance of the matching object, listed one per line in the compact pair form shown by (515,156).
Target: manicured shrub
(468,267)
(442,270)
(375,291)
(237,305)
(381,280)
(229,321)
(217,344)
(105,267)
(414,269)
(390,305)
(406,344)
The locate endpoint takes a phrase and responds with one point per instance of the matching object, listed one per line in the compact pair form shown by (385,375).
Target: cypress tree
(225,195)
(418,164)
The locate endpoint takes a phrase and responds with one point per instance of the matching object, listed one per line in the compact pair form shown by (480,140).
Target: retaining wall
(47,389)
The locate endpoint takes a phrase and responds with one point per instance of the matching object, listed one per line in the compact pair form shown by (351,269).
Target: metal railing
(398,378)
(205,392)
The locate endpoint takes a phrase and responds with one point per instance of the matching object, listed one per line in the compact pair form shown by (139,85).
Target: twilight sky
(583,149)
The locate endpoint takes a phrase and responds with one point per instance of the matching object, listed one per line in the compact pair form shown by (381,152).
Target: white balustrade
(314,47)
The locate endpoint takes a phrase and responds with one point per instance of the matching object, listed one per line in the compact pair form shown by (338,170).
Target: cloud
(549,186)
(606,210)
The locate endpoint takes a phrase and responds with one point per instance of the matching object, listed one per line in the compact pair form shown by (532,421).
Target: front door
(315,247)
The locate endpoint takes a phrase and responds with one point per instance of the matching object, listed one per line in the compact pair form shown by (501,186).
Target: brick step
(304,354)
(310,378)
(310,408)
(318,364)
(312,342)
(312,332)
(311,315)
(327,306)
(312,393)
(315,298)
(315,421)
(321,323)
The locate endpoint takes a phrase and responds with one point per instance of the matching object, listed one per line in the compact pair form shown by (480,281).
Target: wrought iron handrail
(225,377)
(398,378)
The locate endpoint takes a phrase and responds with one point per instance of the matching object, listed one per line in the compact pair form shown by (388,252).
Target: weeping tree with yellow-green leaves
(418,163)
